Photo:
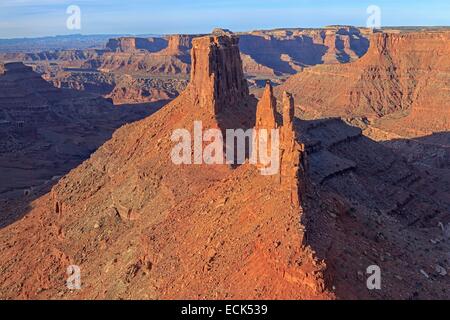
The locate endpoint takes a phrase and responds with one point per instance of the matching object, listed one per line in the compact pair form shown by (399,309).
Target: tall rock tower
(265,112)
(217,78)
(292,152)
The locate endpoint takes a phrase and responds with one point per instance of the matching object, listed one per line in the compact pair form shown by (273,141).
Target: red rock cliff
(178,44)
(132,44)
(402,75)
(217,79)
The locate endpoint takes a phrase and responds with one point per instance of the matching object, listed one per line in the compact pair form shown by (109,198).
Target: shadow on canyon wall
(280,54)
(52,152)
(375,203)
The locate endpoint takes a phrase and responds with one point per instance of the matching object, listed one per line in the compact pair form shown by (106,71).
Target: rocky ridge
(138,205)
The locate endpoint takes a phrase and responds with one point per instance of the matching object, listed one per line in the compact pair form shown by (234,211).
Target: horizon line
(240,31)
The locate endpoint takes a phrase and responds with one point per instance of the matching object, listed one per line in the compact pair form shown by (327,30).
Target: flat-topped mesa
(265,111)
(178,44)
(134,44)
(420,45)
(217,77)
(124,44)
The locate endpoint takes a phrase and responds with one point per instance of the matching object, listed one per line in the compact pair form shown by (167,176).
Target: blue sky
(31,18)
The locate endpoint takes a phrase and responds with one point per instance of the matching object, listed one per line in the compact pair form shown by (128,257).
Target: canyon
(161,65)
(46,131)
(364,168)
(93,204)
(401,84)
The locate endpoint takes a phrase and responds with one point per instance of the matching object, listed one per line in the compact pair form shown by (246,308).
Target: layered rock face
(217,80)
(132,44)
(289,51)
(266,53)
(140,226)
(178,44)
(285,52)
(157,56)
(401,76)
(142,63)
(121,89)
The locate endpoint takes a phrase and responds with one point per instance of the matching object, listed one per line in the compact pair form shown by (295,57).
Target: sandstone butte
(264,53)
(401,84)
(141,227)
(169,56)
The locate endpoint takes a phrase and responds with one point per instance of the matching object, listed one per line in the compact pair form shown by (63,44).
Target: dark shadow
(153,44)
(359,43)
(429,152)
(185,58)
(268,52)
(92,80)
(302,50)
(342,56)
(241,116)
(50,132)
(375,203)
